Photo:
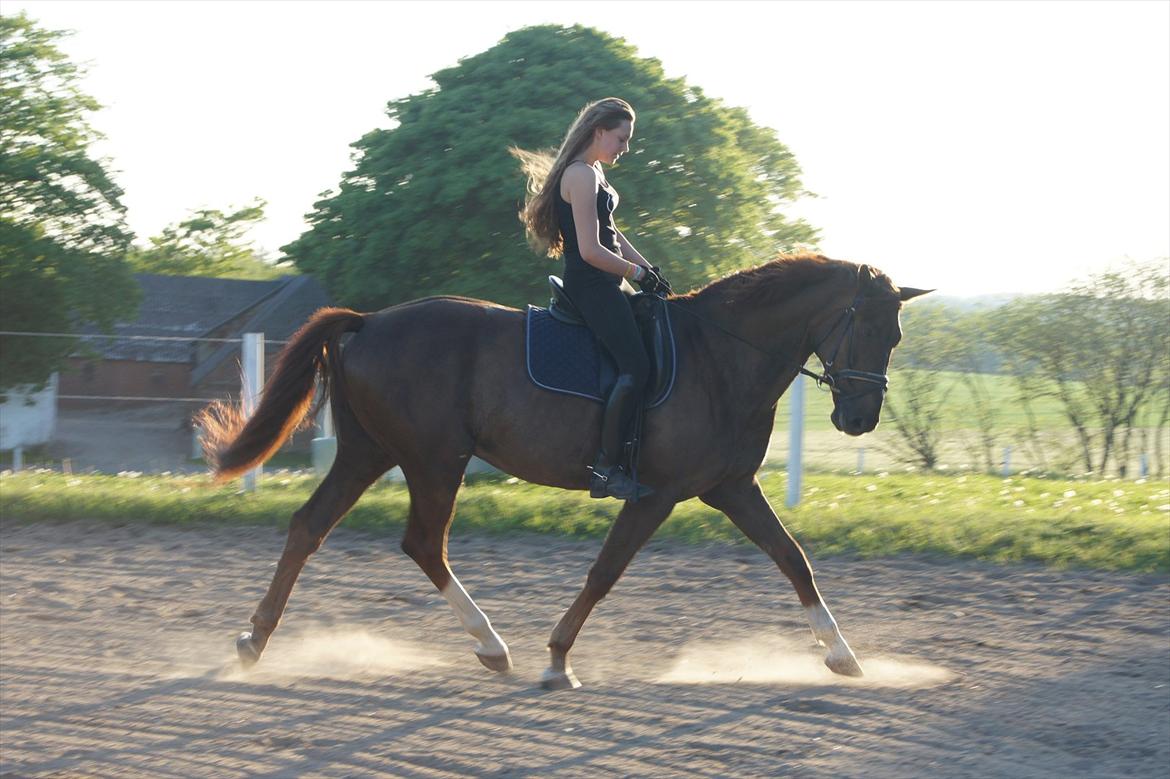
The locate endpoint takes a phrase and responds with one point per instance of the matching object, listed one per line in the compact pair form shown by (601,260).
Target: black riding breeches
(606,309)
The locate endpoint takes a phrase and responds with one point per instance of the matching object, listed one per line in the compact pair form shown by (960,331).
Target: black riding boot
(610,480)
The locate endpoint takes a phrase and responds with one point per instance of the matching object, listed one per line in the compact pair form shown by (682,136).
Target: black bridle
(877,381)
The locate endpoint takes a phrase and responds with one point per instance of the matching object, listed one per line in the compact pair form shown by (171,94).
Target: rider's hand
(650,282)
(665,286)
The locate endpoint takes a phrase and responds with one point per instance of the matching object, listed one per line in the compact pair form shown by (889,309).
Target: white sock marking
(828,635)
(473,620)
(824,627)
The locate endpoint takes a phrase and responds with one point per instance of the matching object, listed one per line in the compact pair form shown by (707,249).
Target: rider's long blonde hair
(544,169)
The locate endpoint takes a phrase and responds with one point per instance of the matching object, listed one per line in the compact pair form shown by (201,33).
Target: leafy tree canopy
(1102,348)
(209,243)
(431,205)
(63,237)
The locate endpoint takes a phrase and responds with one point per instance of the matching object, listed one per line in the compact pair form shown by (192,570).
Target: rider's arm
(581,184)
(629,252)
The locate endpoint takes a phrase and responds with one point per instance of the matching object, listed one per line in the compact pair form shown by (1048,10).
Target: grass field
(1096,524)
(956,412)
(1059,450)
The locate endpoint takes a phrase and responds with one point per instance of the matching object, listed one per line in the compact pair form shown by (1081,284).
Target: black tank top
(576,269)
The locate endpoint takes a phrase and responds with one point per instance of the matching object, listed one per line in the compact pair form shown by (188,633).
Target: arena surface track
(116,659)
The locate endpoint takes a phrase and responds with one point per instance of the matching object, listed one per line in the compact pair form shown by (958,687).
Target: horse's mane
(774,281)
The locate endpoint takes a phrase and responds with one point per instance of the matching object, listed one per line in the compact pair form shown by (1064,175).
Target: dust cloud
(794,663)
(314,653)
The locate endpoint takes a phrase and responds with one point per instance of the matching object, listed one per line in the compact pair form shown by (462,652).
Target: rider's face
(612,144)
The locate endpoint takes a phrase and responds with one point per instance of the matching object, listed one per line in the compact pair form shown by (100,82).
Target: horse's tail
(234,444)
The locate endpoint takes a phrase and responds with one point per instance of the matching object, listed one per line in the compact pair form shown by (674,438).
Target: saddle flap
(653,320)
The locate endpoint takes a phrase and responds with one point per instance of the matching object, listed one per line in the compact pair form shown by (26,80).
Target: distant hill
(975,302)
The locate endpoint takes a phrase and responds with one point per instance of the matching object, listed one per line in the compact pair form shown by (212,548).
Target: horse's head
(855,346)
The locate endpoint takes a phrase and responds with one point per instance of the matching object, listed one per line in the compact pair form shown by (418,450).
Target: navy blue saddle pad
(569,359)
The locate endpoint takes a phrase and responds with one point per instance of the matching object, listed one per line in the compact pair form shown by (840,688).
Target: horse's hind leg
(745,505)
(635,523)
(432,507)
(349,477)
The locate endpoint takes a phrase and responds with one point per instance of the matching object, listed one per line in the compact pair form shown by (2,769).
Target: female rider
(569,211)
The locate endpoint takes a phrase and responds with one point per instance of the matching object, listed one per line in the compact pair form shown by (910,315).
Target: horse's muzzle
(851,422)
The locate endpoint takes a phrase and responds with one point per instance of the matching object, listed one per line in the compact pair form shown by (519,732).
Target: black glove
(651,283)
(665,287)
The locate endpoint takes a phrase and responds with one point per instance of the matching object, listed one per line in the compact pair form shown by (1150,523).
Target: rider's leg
(606,309)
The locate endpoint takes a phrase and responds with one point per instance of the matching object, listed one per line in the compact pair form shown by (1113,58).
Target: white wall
(28,419)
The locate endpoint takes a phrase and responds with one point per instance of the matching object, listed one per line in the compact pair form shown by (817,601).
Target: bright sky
(976,147)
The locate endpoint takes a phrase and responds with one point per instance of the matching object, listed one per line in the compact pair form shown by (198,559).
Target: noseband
(879,381)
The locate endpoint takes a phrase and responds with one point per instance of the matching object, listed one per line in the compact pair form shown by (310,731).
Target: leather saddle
(564,356)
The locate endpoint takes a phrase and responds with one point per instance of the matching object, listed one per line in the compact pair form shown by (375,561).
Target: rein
(880,381)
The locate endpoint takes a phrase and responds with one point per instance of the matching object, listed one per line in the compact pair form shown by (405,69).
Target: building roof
(278,317)
(194,307)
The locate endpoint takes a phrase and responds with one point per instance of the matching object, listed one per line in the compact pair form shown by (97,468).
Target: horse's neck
(770,342)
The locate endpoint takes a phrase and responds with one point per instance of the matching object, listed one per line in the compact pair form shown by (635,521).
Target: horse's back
(439,356)
(431,336)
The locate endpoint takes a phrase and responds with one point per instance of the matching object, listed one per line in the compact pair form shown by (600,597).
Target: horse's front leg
(745,505)
(635,523)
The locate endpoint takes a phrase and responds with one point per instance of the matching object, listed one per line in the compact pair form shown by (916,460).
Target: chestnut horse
(427,384)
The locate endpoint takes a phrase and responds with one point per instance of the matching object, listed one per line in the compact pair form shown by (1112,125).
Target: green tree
(916,406)
(63,237)
(1102,349)
(965,348)
(431,204)
(209,243)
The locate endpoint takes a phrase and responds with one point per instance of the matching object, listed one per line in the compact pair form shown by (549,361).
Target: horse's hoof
(844,663)
(559,680)
(498,663)
(247,650)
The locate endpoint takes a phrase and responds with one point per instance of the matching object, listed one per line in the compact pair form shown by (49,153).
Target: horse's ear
(867,277)
(906,293)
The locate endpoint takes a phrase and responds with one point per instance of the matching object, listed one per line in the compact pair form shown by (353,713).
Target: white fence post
(253,362)
(196,442)
(325,418)
(1007,461)
(860,460)
(324,447)
(795,440)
